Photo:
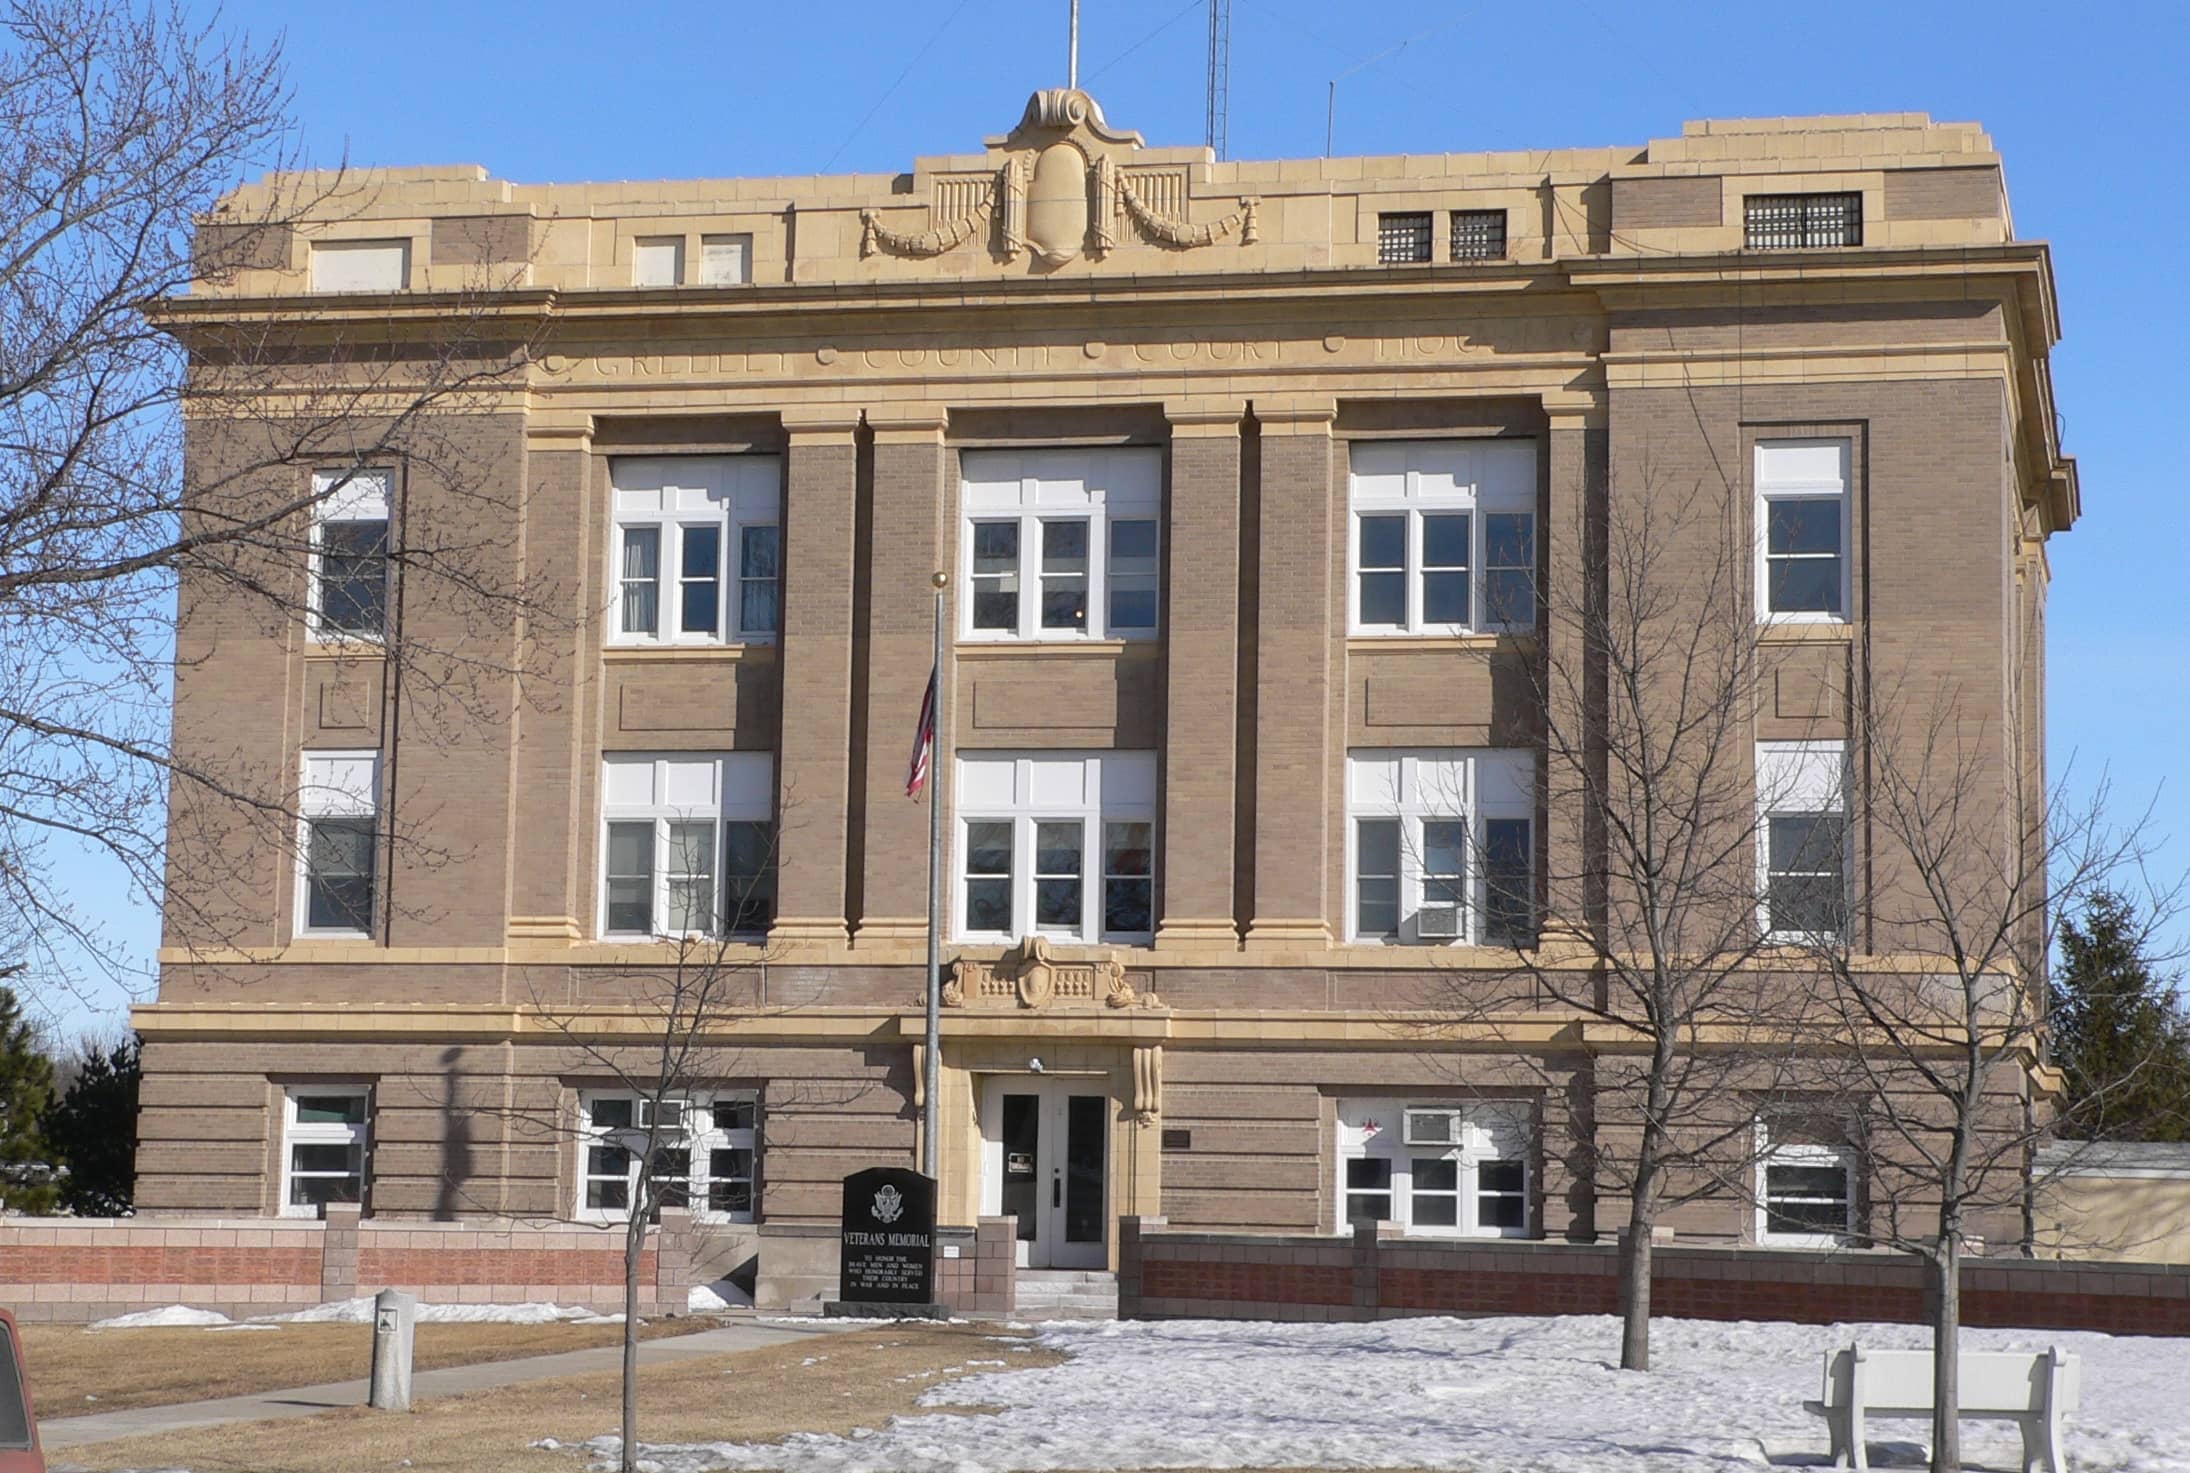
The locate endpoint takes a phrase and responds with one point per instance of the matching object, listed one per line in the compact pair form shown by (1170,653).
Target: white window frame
(674,494)
(1029,788)
(1417,478)
(1099,485)
(296,1133)
(1415,785)
(361,495)
(698,1134)
(1801,780)
(1793,1153)
(715,788)
(1792,470)
(1491,1130)
(335,784)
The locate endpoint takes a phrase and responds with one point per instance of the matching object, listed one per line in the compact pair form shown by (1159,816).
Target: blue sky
(2078,100)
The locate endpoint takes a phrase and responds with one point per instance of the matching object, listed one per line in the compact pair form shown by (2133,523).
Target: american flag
(916,775)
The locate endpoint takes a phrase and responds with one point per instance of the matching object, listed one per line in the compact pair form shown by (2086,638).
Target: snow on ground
(167,1316)
(1488,1396)
(721,1294)
(360,1312)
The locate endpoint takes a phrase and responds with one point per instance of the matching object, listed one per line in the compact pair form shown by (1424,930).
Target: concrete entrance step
(1067,1294)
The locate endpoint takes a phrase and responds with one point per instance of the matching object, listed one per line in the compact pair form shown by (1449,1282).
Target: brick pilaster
(338,1248)
(1295,706)
(908,547)
(813,753)
(1201,676)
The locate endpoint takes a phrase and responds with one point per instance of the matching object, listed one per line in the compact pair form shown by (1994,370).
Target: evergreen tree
(26,1090)
(2121,1035)
(93,1129)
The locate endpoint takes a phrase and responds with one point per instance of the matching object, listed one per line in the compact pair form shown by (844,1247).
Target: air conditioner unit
(1438,922)
(669,1114)
(1431,1128)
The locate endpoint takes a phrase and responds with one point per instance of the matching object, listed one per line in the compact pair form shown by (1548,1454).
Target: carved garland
(926,243)
(1180,232)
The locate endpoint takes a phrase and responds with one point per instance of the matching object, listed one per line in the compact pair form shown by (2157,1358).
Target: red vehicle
(19,1451)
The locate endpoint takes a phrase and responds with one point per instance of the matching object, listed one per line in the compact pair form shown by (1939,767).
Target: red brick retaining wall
(80,1269)
(1168,1275)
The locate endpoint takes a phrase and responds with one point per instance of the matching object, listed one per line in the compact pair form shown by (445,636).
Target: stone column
(1296,703)
(548,898)
(1201,675)
(1575,450)
(907,549)
(813,750)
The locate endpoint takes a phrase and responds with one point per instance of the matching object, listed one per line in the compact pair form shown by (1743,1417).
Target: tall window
(1058,844)
(1802,531)
(1440,846)
(697,550)
(1802,839)
(1478,235)
(339,806)
(1443,536)
(349,589)
(1793,222)
(1403,238)
(687,844)
(705,1148)
(1805,1192)
(323,1157)
(1445,1168)
(1061,544)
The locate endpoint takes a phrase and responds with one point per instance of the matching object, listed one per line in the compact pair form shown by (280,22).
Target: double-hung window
(1443,537)
(1440,846)
(1447,1168)
(349,588)
(1802,839)
(687,844)
(338,806)
(1058,844)
(324,1140)
(1805,1193)
(1802,531)
(697,551)
(704,1147)
(1060,544)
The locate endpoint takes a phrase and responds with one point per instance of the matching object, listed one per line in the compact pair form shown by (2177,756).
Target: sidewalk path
(304,1401)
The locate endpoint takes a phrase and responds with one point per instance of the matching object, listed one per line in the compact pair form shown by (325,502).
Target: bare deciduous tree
(158,447)
(1937,987)
(1648,691)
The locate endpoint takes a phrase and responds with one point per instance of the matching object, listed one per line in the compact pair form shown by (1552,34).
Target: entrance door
(1047,1146)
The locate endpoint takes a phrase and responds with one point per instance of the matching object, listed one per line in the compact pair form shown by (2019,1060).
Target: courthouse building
(1250,482)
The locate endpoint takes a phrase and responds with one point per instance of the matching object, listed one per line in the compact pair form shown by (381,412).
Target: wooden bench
(2030,1390)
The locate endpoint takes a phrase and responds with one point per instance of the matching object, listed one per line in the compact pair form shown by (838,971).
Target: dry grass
(827,1384)
(75,1371)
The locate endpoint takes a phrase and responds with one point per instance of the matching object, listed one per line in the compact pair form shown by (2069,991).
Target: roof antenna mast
(1220,74)
(1072,55)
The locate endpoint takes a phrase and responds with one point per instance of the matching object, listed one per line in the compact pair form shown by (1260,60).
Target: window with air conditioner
(1458,1169)
(696,555)
(1440,846)
(1060,545)
(1442,537)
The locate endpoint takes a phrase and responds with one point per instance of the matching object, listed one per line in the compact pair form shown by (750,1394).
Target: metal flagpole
(1072,59)
(934,1067)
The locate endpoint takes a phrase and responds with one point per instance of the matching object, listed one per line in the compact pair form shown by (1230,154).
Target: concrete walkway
(305,1401)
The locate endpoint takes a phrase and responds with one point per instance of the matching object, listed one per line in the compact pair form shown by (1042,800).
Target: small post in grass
(395,1321)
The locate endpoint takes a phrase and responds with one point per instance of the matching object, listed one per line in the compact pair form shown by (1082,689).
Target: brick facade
(1256,351)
